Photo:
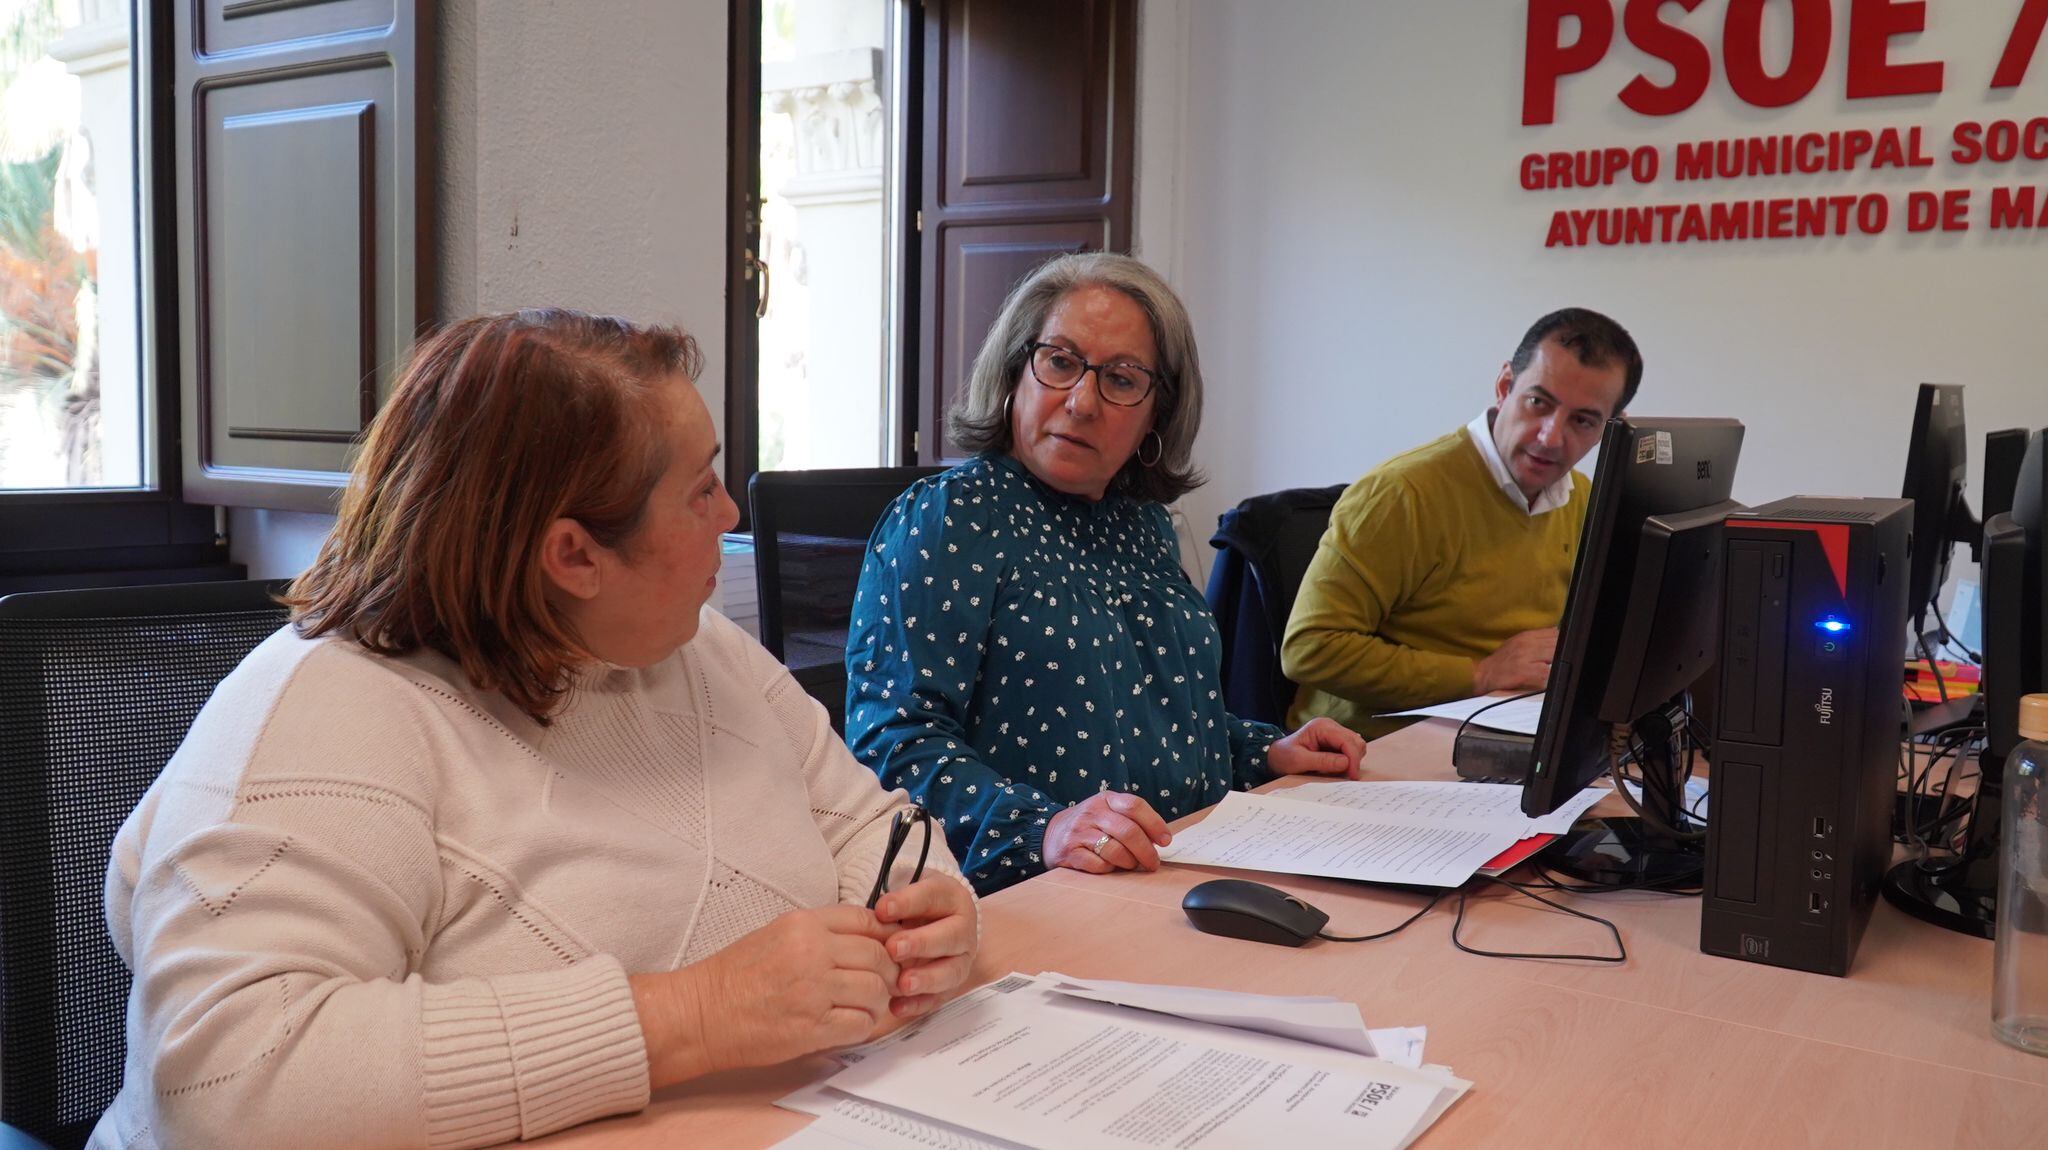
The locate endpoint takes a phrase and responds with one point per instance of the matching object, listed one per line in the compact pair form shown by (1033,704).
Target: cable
(1949,637)
(1934,666)
(1954,745)
(1457,926)
(1659,782)
(1687,885)
(1467,721)
(1404,925)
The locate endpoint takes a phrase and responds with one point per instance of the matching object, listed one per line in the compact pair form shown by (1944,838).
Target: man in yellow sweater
(1444,570)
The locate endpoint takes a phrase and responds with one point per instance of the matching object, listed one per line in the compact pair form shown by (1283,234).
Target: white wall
(1346,224)
(582,163)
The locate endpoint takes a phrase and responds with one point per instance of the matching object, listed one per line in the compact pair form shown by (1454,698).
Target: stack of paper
(1054,1061)
(1416,833)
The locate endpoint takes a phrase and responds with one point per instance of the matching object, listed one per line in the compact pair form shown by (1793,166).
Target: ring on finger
(1100,844)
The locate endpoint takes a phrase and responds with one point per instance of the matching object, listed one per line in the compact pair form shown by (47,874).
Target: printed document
(1023,1064)
(1518,716)
(848,1123)
(1472,806)
(1270,833)
(1323,1021)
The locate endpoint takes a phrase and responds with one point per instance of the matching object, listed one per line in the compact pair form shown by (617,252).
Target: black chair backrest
(97,689)
(1268,542)
(811,532)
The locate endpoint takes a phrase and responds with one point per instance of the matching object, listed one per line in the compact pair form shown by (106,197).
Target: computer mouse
(1234,908)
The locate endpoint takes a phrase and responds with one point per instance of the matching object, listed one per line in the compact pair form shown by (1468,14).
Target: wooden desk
(1675,1048)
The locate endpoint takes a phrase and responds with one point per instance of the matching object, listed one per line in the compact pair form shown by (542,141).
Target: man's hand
(1521,664)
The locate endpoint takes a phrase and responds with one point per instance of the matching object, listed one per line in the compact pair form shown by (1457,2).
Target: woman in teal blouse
(1027,658)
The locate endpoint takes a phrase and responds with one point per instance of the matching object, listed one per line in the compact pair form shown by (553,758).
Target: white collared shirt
(1553,497)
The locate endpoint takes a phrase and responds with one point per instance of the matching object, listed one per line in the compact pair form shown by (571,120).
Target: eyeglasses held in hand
(1060,368)
(899,833)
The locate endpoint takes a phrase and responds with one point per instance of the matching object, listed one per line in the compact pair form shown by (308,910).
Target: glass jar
(2019,981)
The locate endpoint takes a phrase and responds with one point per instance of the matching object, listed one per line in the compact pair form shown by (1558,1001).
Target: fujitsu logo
(1826,707)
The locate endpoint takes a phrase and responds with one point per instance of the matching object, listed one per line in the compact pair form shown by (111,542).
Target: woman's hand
(935,946)
(1106,831)
(1323,746)
(811,980)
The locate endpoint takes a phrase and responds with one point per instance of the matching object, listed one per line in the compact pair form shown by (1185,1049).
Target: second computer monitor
(1935,465)
(1640,619)
(2016,602)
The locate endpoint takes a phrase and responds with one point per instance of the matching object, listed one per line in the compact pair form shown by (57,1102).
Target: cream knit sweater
(369,905)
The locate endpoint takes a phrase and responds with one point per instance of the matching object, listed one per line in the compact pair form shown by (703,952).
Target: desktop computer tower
(1806,740)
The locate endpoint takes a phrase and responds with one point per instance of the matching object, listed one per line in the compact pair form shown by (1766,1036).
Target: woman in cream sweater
(505,830)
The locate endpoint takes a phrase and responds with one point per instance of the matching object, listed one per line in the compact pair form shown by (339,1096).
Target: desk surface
(1674,1048)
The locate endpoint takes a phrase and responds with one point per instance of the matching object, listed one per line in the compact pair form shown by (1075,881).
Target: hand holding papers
(1021,1062)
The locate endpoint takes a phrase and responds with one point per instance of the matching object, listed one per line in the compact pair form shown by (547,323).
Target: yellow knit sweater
(1427,567)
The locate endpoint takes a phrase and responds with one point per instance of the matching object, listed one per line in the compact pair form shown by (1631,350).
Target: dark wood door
(1029,117)
(304,245)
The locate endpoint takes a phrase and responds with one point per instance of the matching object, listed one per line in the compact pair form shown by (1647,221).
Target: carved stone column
(97,201)
(834,265)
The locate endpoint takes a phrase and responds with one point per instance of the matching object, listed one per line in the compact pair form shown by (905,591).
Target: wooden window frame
(143,526)
(742,238)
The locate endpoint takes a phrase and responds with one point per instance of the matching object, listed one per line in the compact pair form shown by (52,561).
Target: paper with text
(1265,832)
(1049,1070)
(849,1123)
(1471,806)
(1323,1021)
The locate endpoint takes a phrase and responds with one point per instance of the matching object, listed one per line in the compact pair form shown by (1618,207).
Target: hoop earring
(1158,453)
(1006,407)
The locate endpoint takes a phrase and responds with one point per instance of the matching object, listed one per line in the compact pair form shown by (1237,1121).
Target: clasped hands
(811,980)
(1112,830)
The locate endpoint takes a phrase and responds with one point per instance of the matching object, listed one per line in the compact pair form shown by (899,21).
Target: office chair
(811,531)
(97,688)
(1266,543)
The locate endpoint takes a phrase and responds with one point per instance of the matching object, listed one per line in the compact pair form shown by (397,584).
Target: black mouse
(1238,909)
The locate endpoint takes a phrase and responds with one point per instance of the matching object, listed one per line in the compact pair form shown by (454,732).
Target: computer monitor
(1935,465)
(1640,626)
(2004,453)
(1961,893)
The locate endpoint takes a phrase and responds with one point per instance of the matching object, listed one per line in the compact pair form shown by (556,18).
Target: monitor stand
(1961,894)
(1625,853)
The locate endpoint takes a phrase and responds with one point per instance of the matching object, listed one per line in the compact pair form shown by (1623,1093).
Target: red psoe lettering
(1691,64)
(1948,211)
(1546,61)
(1742,42)
(2020,47)
(1873,25)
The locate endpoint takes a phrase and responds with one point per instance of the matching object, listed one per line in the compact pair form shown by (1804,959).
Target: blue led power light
(1832,625)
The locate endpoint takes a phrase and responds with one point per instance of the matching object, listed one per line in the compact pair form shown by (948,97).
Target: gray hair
(979,421)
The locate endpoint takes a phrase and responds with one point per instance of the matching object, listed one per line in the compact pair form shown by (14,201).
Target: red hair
(499,426)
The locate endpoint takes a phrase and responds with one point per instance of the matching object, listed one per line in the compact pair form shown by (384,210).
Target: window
(828,124)
(72,412)
(210,265)
(896,167)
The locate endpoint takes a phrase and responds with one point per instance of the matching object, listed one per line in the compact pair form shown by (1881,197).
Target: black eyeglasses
(899,833)
(1060,368)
